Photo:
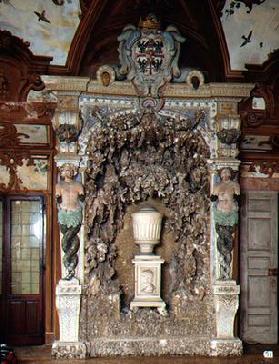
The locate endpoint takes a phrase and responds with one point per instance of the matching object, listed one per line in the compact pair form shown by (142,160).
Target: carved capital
(67,122)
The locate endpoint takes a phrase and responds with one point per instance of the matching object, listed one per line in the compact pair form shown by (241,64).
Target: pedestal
(226,298)
(148,283)
(68,305)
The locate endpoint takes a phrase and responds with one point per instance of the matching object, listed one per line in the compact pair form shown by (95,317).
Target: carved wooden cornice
(20,69)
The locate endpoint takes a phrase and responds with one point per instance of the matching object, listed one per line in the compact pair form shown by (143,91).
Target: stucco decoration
(48,28)
(251,32)
(69,193)
(149,56)
(226,194)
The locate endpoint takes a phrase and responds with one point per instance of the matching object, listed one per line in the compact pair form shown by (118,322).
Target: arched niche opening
(137,159)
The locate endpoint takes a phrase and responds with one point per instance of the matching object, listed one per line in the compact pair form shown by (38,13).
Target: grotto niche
(134,159)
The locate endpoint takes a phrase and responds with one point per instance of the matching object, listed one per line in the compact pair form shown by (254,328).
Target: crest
(149,56)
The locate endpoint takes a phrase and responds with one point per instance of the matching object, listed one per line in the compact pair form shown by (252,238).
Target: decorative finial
(150,22)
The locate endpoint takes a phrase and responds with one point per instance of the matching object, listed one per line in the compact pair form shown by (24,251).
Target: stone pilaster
(66,124)
(223,223)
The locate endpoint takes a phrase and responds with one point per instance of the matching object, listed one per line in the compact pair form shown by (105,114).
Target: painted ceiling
(49,25)
(251,32)
(46,25)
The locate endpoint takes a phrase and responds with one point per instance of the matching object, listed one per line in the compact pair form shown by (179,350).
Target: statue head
(68,171)
(225,174)
(105,78)
(147,276)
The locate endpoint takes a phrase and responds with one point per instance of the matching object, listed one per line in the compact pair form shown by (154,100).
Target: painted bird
(261,44)
(246,39)
(58,2)
(42,16)
(7,2)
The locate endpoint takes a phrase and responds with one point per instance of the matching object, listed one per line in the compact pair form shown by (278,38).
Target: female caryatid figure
(69,193)
(226,194)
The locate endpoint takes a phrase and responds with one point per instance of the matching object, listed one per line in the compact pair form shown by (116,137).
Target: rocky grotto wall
(133,159)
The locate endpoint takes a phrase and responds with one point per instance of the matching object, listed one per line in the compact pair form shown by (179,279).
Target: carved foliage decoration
(228,136)
(12,160)
(135,157)
(20,69)
(9,135)
(67,133)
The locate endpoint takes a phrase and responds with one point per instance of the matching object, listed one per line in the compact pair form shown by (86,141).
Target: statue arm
(81,194)
(213,198)
(236,197)
(237,188)
(58,194)
(236,194)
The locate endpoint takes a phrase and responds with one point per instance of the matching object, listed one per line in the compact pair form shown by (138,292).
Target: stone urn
(147,229)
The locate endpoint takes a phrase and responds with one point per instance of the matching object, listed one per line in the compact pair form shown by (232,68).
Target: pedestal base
(69,350)
(68,305)
(160,304)
(226,305)
(226,347)
(148,283)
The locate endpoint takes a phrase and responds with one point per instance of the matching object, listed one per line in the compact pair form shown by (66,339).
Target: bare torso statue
(69,194)
(226,192)
(69,191)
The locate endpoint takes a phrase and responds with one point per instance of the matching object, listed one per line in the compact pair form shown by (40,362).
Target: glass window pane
(1,243)
(26,237)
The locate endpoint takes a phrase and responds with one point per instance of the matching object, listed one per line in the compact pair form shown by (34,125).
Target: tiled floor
(41,354)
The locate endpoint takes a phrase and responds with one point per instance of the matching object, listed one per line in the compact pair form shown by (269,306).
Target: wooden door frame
(7,199)
(258,184)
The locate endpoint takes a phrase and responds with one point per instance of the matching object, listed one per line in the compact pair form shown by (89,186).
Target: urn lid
(147,209)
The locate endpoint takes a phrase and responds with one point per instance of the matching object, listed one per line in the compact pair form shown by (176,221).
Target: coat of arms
(149,56)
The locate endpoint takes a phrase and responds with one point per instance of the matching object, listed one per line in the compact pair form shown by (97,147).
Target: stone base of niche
(104,347)
(69,350)
(226,347)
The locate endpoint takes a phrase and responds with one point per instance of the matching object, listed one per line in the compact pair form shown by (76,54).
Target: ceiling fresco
(251,31)
(251,27)
(48,25)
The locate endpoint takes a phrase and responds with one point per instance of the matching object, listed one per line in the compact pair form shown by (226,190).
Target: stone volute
(147,229)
